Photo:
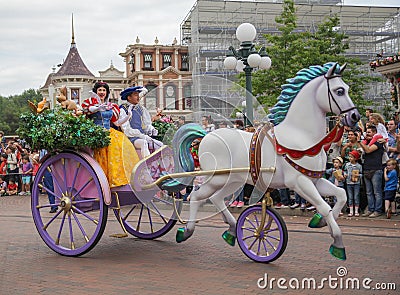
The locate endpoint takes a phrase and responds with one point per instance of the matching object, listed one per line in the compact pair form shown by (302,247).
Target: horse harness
(255,151)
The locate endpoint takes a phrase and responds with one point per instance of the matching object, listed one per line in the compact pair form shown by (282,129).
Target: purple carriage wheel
(81,214)
(272,241)
(153,219)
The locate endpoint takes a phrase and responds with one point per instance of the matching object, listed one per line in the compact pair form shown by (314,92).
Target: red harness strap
(333,136)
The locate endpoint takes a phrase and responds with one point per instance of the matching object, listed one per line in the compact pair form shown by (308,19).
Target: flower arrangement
(385,61)
(166,129)
(59,129)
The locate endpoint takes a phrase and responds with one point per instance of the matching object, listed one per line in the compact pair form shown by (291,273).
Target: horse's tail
(181,143)
(183,159)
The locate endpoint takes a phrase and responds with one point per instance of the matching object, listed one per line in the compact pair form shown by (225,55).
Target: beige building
(163,69)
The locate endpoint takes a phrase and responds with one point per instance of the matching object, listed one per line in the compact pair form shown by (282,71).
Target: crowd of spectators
(18,166)
(358,162)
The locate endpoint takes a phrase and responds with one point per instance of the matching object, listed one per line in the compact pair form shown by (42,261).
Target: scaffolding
(209,28)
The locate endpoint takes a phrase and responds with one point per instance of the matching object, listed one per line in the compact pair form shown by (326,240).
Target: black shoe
(53,210)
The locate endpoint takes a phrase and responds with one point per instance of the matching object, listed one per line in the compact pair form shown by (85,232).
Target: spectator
(3,164)
(27,169)
(12,162)
(2,141)
(392,139)
(353,171)
(181,121)
(335,175)
(349,145)
(3,186)
(390,174)
(12,187)
(299,202)
(377,120)
(35,164)
(222,124)
(206,124)
(238,197)
(373,172)
(332,153)
(284,198)
(238,125)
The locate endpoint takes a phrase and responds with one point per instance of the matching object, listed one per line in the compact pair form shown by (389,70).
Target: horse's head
(339,100)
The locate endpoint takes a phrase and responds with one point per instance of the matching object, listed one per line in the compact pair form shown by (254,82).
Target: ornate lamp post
(246,58)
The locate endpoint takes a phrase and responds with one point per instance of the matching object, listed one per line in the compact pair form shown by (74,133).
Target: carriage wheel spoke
(158,212)
(129,213)
(53,176)
(51,220)
(150,220)
(251,223)
(140,218)
(63,161)
(46,206)
(86,201)
(75,176)
(82,188)
(71,234)
(80,226)
(86,215)
(60,230)
(49,191)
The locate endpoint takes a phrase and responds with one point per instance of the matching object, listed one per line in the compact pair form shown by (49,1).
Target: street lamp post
(246,58)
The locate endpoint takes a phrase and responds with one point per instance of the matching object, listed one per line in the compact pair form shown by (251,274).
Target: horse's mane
(289,91)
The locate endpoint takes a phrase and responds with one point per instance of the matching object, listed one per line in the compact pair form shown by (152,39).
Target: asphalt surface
(204,264)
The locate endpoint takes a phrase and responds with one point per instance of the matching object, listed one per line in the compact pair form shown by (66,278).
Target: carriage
(83,197)
(150,206)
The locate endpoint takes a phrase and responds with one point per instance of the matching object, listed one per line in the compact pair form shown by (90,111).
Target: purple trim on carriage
(101,176)
(306,172)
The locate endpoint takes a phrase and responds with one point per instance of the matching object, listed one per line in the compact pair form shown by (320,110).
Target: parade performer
(138,127)
(120,151)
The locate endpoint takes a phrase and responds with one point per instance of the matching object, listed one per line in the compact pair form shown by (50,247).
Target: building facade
(163,69)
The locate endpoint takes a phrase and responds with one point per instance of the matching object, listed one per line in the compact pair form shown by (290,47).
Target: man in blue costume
(139,127)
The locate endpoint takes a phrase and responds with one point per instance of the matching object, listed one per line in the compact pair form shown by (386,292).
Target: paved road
(205,264)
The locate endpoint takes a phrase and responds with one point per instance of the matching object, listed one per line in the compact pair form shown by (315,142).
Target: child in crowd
(3,186)
(35,164)
(3,164)
(27,169)
(12,187)
(335,175)
(390,173)
(353,171)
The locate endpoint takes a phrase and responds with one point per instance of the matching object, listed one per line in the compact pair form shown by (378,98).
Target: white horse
(294,147)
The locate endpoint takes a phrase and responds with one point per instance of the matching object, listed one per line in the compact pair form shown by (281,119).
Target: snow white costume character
(120,153)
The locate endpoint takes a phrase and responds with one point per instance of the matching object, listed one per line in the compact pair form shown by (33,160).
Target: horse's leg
(196,197)
(325,187)
(230,235)
(312,193)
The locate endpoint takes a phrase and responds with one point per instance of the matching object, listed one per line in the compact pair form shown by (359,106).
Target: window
(166,60)
(170,97)
(132,63)
(148,59)
(150,100)
(184,62)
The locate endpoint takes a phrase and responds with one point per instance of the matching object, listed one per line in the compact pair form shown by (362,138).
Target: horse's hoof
(180,235)
(229,238)
(339,253)
(317,221)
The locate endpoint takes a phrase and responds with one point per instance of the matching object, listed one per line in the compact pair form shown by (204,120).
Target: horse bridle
(330,95)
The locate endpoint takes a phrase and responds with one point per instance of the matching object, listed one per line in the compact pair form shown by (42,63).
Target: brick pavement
(204,264)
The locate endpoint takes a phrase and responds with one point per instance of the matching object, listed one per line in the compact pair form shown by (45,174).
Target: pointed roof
(73,64)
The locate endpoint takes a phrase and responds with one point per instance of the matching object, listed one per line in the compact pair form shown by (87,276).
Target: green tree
(291,51)
(13,106)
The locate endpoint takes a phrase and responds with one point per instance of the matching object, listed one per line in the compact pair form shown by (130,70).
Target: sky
(36,35)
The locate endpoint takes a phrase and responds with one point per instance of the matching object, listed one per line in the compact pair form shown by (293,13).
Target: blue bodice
(102,118)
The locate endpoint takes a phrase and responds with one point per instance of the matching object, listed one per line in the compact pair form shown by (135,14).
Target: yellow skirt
(117,159)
